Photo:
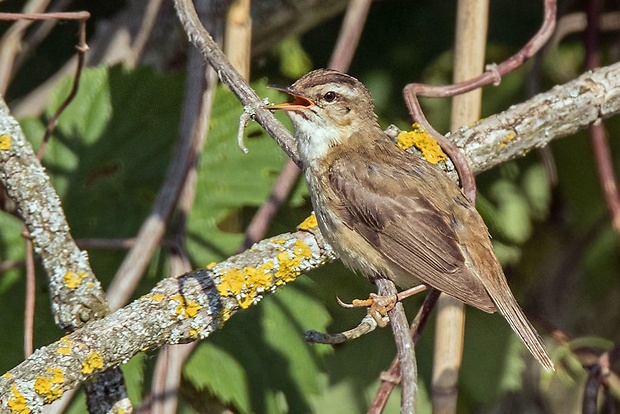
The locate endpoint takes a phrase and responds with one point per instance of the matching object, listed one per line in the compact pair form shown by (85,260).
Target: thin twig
(577,22)
(469,57)
(598,134)
(350,34)
(30,300)
(492,75)
(82,48)
(388,379)
(168,370)
(81,15)
(257,229)
(405,348)
(12,42)
(37,33)
(598,378)
(367,325)
(11,264)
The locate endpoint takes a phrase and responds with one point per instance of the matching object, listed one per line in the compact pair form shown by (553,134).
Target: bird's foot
(378,306)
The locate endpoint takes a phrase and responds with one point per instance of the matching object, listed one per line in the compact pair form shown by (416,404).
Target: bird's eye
(330,96)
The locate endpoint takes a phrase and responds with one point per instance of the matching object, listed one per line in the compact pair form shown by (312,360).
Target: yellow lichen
(211,265)
(507,139)
(5,142)
(186,307)
(8,375)
(423,141)
(231,282)
(279,240)
(192,308)
(17,402)
(74,279)
(65,348)
(308,223)
(193,332)
(286,271)
(157,297)
(259,277)
(245,284)
(50,386)
(225,314)
(302,250)
(93,361)
(246,300)
(288,268)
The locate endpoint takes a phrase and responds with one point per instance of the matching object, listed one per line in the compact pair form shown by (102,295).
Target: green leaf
(215,368)
(231,184)
(260,358)
(108,154)
(133,372)
(110,151)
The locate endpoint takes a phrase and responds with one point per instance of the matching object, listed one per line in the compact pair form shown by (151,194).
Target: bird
(388,213)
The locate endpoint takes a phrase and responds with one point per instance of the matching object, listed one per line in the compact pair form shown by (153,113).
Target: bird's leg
(378,306)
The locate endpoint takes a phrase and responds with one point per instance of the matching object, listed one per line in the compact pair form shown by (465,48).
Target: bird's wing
(392,207)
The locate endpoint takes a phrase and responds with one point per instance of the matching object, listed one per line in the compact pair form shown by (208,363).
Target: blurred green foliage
(108,157)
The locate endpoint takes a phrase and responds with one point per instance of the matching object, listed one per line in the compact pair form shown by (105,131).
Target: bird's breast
(352,249)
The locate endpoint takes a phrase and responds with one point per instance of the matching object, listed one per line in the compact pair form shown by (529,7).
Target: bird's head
(330,108)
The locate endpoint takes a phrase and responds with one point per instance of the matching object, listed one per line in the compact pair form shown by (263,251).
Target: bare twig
(578,21)
(492,75)
(238,37)
(405,348)
(470,49)
(82,48)
(388,380)
(367,324)
(11,264)
(11,42)
(350,33)
(598,375)
(598,135)
(257,229)
(168,370)
(30,300)
(37,33)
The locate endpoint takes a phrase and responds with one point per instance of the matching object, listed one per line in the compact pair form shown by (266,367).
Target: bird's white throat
(315,137)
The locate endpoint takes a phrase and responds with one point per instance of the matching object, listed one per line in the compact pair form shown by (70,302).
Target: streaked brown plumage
(389,214)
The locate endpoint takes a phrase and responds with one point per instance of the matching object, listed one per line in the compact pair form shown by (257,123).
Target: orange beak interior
(300,102)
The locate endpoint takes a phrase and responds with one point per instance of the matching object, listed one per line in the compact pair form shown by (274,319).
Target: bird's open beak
(300,102)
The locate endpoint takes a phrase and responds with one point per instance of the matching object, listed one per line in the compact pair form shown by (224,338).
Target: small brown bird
(389,214)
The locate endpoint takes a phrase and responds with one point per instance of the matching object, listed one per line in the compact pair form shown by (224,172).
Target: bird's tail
(509,308)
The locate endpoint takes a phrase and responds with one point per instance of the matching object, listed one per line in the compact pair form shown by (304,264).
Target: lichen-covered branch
(561,111)
(75,292)
(177,310)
